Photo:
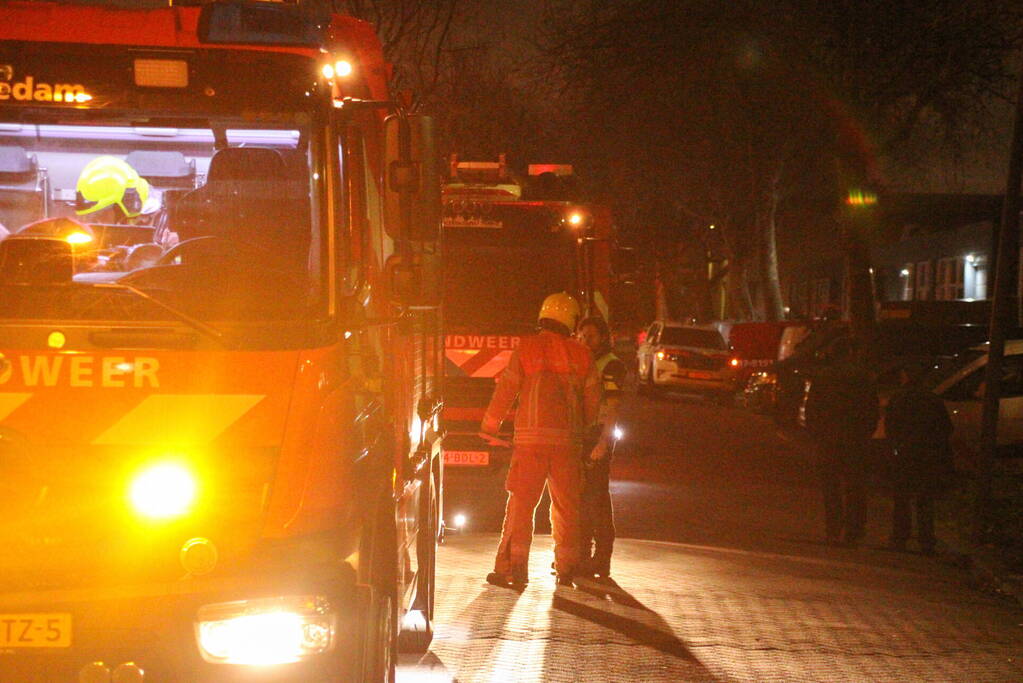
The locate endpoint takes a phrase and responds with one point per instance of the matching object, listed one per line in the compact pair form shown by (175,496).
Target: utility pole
(1003,312)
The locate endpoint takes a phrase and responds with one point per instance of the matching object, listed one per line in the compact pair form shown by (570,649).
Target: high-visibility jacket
(611,371)
(556,383)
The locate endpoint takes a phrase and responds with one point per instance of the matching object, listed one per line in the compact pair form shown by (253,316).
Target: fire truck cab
(219,346)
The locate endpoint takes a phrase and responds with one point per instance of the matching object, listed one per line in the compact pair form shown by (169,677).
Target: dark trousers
(597,517)
(843,482)
(905,501)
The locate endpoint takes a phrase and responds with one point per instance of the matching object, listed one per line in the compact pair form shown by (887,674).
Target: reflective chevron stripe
(477,362)
(178,419)
(11,402)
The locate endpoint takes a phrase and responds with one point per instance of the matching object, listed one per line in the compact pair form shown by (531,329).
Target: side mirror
(415,279)
(412,208)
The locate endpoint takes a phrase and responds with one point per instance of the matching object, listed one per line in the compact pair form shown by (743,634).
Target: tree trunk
(773,303)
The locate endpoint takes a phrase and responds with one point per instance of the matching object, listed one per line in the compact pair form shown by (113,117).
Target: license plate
(701,375)
(35,630)
(467,458)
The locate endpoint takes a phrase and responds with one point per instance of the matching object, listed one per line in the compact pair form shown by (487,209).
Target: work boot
(516,578)
(565,578)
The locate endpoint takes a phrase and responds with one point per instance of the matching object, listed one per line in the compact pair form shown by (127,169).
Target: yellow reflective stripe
(179,419)
(11,402)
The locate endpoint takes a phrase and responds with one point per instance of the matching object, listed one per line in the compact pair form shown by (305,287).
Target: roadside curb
(984,567)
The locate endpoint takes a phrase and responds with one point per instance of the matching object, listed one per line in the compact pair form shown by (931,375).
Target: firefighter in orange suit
(555,381)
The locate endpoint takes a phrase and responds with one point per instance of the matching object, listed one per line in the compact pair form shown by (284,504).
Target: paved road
(730,581)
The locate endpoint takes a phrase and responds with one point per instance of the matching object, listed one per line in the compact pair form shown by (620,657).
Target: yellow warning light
(56,340)
(343,68)
(161,73)
(327,71)
(163,491)
(78,237)
(859,197)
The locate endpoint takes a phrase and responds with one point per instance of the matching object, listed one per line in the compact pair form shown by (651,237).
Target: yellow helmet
(562,308)
(106,181)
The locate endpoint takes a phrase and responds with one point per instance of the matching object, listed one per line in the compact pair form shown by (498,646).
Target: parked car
(961,385)
(689,357)
(757,345)
(780,389)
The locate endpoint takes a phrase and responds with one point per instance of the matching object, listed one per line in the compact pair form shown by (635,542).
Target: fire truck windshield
(496,278)
(215,217)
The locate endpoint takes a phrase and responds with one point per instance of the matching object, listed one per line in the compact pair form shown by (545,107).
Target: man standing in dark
(596,515)
(841,415)
(919,429)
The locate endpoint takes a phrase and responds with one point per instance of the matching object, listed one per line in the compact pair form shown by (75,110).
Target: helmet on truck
(108,181)
(561,308)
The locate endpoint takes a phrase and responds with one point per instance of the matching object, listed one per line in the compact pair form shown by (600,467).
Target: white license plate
(35,630)
(467,458)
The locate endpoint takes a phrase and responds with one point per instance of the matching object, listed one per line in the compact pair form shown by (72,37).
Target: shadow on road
(609,606)
(610,590)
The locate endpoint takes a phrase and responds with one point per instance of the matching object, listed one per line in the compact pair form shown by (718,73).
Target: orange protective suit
(558,390)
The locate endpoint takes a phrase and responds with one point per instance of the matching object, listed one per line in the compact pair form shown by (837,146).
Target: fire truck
(219,347)
(508,242)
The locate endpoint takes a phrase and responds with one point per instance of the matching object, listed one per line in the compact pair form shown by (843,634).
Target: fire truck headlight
(343,68)
(617,433)
(267,631)
(163,491)
(459,521)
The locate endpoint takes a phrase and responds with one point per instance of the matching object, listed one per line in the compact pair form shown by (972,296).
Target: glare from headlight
(617,433)
(265,632)
(162,491)
(460,521)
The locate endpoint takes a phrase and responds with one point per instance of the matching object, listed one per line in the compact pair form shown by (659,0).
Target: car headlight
(763,378)
(266,631)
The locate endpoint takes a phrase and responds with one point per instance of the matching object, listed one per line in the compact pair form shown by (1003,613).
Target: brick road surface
(731,584)
(692,613)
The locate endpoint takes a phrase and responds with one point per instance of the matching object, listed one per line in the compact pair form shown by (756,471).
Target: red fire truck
(508,242)
(219,339)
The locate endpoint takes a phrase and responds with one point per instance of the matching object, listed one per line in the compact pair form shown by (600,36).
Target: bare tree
(416,36)
(737,107)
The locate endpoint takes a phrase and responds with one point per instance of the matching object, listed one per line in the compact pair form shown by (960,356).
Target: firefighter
(555,382)
(597,517)
(109,190)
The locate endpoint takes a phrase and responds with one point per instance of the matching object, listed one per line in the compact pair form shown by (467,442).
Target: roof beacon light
(161,73)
